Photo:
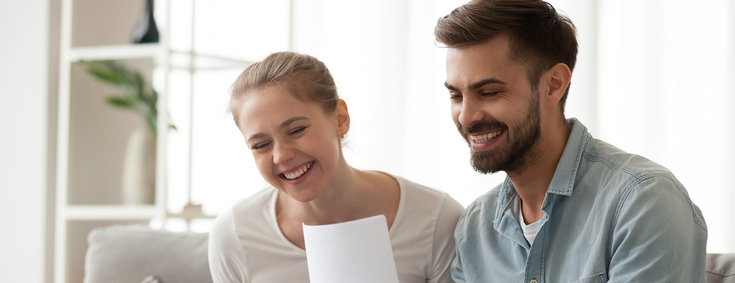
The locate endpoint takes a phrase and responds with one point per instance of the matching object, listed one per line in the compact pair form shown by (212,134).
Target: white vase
(139,169)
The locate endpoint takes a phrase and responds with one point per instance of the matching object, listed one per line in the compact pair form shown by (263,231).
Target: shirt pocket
(597,278)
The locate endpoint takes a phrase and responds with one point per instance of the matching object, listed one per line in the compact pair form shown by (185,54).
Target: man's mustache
(481,126)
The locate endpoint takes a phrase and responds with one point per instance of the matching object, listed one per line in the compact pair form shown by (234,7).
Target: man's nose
(469,113)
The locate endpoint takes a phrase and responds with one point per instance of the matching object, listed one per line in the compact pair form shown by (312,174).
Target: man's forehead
(493,50)
(470,64)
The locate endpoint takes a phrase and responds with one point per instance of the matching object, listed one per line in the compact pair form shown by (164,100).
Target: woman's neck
(345,197)
(355,194)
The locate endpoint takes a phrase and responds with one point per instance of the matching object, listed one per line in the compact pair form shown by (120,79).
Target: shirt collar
(563,181)
(566,170)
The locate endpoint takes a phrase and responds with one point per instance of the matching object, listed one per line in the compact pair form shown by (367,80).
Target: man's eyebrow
(283,125)
(477,85)
(481,83)
(450,87)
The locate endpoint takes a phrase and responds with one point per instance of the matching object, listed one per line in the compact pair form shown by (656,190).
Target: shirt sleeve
(658,235)
(226,260)
(444,249)
(457,270)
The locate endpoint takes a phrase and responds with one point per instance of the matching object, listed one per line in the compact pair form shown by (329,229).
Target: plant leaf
(120,101)
(116,74)
(137,96)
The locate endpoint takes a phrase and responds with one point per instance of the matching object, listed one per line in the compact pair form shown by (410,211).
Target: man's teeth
(485,137)
(298,173)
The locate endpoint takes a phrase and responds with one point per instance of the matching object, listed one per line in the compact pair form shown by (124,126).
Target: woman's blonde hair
(306,78)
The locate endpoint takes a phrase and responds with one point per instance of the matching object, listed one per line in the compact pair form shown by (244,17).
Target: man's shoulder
(488,200)
(607,161)
(623,179)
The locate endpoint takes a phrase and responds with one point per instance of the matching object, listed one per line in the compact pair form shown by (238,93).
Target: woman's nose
(282,153)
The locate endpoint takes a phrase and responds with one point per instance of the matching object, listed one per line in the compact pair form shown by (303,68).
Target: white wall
(23,132)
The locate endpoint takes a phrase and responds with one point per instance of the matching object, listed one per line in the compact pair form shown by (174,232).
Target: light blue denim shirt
(610,216)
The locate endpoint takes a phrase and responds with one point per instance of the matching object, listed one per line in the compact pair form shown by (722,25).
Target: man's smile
(482,138)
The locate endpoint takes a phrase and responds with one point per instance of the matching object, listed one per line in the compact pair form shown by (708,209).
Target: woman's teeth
(298,173)
(485,137)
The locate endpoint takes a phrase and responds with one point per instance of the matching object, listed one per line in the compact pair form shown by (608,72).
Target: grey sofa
(720,268)
(131,253)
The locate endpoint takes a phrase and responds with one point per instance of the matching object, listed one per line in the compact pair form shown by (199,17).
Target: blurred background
(653,77)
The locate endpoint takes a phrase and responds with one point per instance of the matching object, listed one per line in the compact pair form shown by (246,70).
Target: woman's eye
(297,130)
(260,146)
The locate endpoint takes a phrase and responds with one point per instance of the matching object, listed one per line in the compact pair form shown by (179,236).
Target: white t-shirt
(247,245)
(530,230)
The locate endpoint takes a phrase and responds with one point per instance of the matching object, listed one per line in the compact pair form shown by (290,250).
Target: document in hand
(356,251)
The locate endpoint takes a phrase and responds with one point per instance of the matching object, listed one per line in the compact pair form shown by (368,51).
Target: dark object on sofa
(720,268)
(132,253)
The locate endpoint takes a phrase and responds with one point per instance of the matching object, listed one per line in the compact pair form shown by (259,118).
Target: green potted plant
(138,176)
(137,95)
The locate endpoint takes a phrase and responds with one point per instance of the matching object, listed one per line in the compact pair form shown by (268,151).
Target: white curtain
(655,78)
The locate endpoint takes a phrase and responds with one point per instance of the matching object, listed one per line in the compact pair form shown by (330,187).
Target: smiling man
(573,208)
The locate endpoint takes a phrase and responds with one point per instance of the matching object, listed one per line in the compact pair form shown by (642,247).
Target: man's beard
(521,149)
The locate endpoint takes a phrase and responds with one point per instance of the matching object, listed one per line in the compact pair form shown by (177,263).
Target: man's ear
(343,118)
(557,81)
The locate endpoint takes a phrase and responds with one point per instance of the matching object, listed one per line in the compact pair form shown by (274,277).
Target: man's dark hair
(539,36)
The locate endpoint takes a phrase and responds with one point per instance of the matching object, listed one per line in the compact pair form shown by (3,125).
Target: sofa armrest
(131,253)
(720,268)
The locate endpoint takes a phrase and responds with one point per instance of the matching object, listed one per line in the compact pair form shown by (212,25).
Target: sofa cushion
(720,268)
(131,253)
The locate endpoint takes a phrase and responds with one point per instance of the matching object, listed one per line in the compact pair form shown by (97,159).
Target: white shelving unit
(114,52)
(74,218)
(66,268)
(111,212)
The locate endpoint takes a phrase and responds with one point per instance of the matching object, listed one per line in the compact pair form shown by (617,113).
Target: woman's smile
(297,174)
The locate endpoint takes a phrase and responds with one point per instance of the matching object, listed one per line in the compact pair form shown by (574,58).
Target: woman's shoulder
(419,192)
(423,200)
(259,201)
(253,211)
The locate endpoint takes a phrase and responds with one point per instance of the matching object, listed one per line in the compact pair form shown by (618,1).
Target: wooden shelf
(110,212)
(114,52)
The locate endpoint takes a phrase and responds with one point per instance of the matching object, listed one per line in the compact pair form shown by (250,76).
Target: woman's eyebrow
(283,125)
(290,121)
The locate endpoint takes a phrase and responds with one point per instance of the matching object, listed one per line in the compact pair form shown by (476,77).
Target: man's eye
(297,130)
(455,97)
(260,146)
(490,93)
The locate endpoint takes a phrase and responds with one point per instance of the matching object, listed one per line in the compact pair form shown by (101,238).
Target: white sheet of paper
(356,252)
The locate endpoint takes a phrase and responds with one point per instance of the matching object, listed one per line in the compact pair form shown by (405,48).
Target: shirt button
(533,281)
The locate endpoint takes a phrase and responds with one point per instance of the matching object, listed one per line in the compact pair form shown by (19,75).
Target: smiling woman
(293,121)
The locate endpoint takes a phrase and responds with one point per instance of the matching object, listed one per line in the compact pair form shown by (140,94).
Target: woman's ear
(343,118)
